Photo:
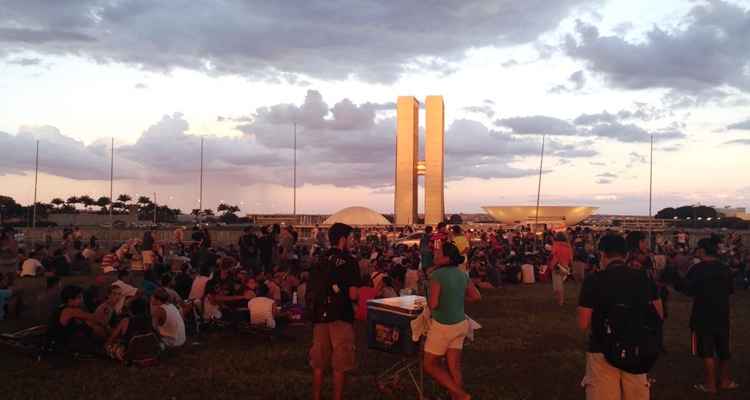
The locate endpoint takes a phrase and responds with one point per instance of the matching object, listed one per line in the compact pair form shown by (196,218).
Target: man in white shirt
(32,266)
(262,308)
(167,319)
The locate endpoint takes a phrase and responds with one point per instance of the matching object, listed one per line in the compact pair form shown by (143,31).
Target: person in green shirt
(450,288)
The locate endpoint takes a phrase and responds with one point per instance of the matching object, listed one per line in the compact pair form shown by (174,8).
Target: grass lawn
(528,348)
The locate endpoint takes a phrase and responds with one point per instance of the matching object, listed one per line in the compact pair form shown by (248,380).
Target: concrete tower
(408,165)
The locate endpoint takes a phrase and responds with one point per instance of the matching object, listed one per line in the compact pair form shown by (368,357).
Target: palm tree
(87,201)
(72,201)
(124,199)
(103,202)
(58,202)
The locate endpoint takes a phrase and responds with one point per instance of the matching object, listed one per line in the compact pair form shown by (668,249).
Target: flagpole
(111,188)
(155,208)
(539,187)
(651,192)
(36,180)
(294,178)
(200,198)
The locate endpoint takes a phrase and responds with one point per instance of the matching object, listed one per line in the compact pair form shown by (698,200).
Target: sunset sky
(597,77)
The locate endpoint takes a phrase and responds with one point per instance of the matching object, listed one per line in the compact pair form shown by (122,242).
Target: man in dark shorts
(710,284)
(331,294)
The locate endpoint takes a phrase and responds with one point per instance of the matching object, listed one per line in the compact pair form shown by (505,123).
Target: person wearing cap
(710,284)
(331,295)
(450,288)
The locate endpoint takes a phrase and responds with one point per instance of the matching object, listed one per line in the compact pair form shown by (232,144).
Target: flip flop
(732,385)
(702,388)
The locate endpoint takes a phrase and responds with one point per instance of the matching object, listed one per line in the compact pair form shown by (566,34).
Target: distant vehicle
(409,241)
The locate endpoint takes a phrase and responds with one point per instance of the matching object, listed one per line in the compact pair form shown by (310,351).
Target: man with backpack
(621,309)
(331,295)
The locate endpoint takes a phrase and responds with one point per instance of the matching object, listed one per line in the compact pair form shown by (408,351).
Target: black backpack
(319,296)
(631,337)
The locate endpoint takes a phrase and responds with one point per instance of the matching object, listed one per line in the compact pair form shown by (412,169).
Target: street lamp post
(36,180)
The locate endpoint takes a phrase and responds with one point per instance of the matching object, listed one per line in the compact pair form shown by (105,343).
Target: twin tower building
(409,166)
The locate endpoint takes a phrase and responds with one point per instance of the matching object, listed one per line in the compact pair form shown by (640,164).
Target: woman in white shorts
(449,289)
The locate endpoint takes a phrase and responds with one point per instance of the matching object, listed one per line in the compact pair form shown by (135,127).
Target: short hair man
(615,283)
(710,284)
(333,288)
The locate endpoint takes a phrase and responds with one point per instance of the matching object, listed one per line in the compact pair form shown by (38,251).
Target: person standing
(710,284)
(560,265)
(604,295)
(331,295)
(463,245)
(248,251)
(425,251)
(147,250)
(450,288)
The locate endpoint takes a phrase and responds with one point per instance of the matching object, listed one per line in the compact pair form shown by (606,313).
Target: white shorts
(442,337)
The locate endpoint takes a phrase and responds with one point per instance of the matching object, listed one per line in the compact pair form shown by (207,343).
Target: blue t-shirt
(4,296)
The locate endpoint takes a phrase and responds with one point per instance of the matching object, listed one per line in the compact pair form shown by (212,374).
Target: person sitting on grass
(450,288)
(71,326)
(167,283)
(137,323)
(124,282)
(105,312)
(6,295)
(262,308)
(110,262)
(32,266)
(167,319)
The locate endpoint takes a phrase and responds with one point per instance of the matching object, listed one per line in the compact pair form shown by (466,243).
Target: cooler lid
(404,304)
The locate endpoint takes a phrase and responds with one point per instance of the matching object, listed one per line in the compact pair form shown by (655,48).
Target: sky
(597,78)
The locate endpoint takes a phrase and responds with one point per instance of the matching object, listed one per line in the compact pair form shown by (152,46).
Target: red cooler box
(389,323)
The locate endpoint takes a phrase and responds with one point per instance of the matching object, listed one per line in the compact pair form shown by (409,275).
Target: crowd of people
(270,278)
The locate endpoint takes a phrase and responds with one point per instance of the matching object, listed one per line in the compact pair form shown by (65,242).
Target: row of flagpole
(650,186)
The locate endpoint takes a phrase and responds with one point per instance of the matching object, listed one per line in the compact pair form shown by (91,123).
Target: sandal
(702,388)
(732,386)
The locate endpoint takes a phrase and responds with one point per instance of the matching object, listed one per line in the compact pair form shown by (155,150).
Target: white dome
(357,216)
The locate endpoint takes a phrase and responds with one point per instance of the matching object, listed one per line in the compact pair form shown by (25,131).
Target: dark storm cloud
(373,41)
(708,51)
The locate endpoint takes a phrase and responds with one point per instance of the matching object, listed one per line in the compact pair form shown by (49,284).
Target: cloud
(26,61)
(485,109)
(58,154)
(603,181)
(742,125)
(607,175)
(741,142)
(603,125)
(576,81)
(707,52)
(538,125)
(371,41)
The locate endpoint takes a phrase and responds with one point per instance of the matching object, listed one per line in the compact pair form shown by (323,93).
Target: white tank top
(173,330)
